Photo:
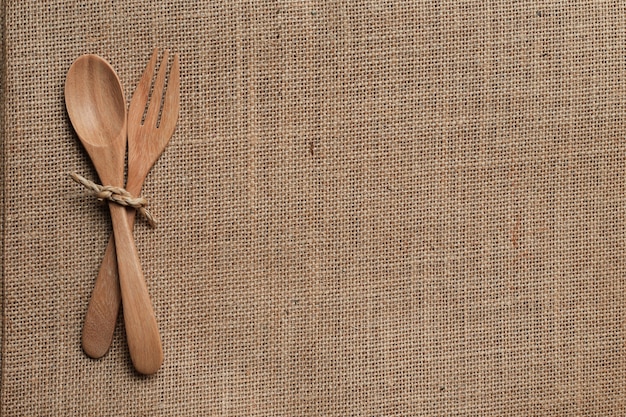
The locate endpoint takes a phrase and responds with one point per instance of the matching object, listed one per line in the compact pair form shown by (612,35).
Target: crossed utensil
(96,106)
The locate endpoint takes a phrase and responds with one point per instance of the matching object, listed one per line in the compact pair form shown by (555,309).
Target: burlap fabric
(368,209)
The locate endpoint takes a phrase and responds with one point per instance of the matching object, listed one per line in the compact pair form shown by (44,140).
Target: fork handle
(104,305)
(142,331)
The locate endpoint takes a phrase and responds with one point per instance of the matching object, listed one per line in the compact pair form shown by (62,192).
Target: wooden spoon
(97,109)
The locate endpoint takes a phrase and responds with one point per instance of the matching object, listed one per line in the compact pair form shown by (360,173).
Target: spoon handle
(142,331)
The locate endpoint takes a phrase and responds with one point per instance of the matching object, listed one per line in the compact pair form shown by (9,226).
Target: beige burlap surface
(377,208)
(2,139)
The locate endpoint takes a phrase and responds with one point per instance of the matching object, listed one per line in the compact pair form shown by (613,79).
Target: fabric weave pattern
(378,208)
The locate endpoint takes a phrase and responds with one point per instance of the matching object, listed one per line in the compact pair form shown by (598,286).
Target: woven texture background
(370,208)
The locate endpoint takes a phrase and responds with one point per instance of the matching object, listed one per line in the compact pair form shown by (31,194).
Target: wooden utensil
(146,142)
(97,109)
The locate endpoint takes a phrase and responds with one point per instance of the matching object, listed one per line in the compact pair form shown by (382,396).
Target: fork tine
(171,104)
(152,115)
(140,96)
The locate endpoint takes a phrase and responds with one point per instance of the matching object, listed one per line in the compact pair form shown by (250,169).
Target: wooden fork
(146,141)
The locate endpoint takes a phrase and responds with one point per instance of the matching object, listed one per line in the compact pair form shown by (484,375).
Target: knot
(117,195)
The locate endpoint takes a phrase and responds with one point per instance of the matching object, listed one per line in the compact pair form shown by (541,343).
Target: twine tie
(117,195)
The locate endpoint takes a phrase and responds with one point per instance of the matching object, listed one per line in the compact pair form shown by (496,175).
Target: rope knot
(117,195)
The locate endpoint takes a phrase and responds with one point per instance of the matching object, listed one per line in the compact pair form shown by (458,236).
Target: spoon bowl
(96,106)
